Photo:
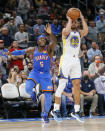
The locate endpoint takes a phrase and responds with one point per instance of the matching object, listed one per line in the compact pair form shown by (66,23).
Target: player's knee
(29,86)
(47,97)
(47,94)
(62,85)
(76,83)
(59,91)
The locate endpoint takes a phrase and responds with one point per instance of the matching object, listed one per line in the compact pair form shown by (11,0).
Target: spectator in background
(100,24)
(43,10)
(93,51)
(28,59)
(23,76)
(18,20)
(56,29)
(101,12)
(28,68)
(23,9)
(53,14)
(11,5)
(89,14)
(12,78)
(40,26)
(22,37)
(88,93)
(85,58)
(36,34)
(54,5)
(95,66)
(62,15)
(28,28)
(16,60)
(32,13)
(6,37)
(100,88)
(3,61)
(12,28)
(92,34)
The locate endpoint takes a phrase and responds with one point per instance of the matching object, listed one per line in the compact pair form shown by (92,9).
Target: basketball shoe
(77,116)
(57,115)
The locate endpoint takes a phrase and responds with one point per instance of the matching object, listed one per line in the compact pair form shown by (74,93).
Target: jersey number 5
(41,64)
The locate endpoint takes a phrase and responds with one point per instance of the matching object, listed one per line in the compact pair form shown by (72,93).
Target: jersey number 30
(41,64)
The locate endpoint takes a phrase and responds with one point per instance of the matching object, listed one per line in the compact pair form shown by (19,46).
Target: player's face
(42,42)
(74,25)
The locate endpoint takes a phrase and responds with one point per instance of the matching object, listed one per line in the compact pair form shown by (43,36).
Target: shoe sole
(44,124)
(77,118)
(54,117)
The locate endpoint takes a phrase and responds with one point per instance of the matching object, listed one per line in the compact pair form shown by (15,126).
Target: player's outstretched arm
(67,29)
(83,32)
(23,52)
(54,40)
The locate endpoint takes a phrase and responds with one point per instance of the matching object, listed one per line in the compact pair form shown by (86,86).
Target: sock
(56,106)
(77,108)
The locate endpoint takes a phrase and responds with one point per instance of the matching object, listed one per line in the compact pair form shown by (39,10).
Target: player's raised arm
(84,31)
(54,40)
(23,52)
(67,29)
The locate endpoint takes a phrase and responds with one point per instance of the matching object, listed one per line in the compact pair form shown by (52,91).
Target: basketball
(73,13)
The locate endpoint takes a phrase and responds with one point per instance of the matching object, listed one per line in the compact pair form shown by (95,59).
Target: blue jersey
(41,61)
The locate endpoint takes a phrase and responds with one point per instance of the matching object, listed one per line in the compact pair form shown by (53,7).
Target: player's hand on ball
(69,19)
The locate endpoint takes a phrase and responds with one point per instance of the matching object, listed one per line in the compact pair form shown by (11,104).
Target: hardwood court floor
(95,124)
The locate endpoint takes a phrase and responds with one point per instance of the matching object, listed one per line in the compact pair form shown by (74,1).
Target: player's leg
(30,85)
(56,113)
(76,86)
(46,103)
(42,102)
(75,76)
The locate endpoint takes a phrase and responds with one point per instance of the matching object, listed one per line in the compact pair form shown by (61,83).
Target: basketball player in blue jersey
(41,71)
(70,65)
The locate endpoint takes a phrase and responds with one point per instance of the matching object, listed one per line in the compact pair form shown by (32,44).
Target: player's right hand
(69,19)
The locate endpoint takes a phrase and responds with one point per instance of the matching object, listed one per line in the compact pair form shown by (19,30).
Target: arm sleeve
(18,52)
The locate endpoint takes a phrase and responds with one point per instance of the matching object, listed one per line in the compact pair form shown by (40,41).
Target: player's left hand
(81,15)
(48,28)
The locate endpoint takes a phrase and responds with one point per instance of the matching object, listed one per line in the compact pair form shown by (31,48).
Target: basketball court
(68,124)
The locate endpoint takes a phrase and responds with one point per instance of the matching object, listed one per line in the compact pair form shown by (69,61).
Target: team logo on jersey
(74,41)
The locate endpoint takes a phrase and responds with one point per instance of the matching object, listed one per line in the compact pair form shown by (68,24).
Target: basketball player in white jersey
(70,65)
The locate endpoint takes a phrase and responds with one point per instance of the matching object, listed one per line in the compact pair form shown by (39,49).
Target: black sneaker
(57,115)
(77,116)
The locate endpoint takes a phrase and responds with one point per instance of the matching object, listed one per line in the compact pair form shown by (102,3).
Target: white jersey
(70,62)
(71,45)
